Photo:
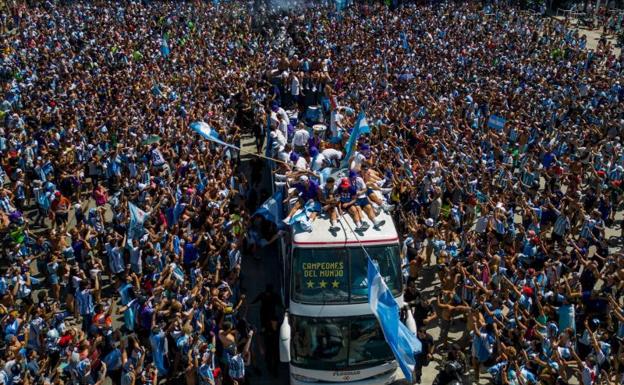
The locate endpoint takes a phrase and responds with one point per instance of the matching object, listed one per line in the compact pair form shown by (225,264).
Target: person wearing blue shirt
(84,302)
(482,344)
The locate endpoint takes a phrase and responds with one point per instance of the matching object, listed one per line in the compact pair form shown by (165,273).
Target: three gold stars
(323,284)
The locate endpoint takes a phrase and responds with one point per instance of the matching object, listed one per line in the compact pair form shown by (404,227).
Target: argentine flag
(404,344)
(137,219)
(203,129)
(496,122)
(271,210)
(361,127)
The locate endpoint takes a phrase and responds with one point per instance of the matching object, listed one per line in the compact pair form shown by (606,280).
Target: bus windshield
(338,343)
(338,275)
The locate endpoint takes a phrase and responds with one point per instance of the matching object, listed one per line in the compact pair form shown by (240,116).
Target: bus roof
(320,236)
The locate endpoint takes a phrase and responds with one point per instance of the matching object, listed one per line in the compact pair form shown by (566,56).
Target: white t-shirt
(357,161)
(334,122)
(282,113)
(279,140)
(360,185)
(283,127)
(318,162)
(274,120)
(331,154)
(283,156)
(294,86)
(301,164)
(301,137)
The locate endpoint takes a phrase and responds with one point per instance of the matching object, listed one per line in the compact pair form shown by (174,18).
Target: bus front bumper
(380,375)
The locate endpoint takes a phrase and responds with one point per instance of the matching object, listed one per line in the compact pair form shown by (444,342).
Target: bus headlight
(301,378)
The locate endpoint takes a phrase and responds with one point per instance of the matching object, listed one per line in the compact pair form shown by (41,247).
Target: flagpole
(258,155)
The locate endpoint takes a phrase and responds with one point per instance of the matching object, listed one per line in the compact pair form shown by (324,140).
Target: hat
(352,174)
(57,194)
(429,222)
(303,178)
(344,183)
(528,291)
(601,173)
(294,156)
(314,151)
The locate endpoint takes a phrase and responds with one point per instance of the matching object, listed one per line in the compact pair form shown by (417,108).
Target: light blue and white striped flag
(496,122)
(403,343)
(361,127)
(137,219)
(271,209)
(204,129)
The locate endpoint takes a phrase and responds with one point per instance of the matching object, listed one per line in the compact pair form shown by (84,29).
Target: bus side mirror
(284,335)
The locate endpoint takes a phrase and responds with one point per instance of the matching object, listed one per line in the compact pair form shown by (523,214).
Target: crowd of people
(494,139)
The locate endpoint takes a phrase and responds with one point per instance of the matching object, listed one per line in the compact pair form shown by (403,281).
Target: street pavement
(593,35)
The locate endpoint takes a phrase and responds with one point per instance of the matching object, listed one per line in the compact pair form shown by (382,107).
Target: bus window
(338,343)
(328,275)
(320,275)
(389,265)
(367,343)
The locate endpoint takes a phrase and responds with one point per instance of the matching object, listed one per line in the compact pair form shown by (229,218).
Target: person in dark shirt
(307,190)
(421,309)
(347,196)
(270,305)
(426,354)
(270,302)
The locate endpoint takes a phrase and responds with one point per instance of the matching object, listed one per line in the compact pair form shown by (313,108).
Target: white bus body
(331,334)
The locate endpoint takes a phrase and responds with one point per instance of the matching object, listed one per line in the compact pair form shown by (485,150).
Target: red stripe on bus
(347,242)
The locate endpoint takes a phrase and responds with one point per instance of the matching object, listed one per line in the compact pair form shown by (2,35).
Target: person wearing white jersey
(300,139)
(317,160)
(332,156)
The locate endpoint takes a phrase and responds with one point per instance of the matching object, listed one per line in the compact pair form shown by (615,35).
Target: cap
(344,183)
(303,178)
(429,222)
